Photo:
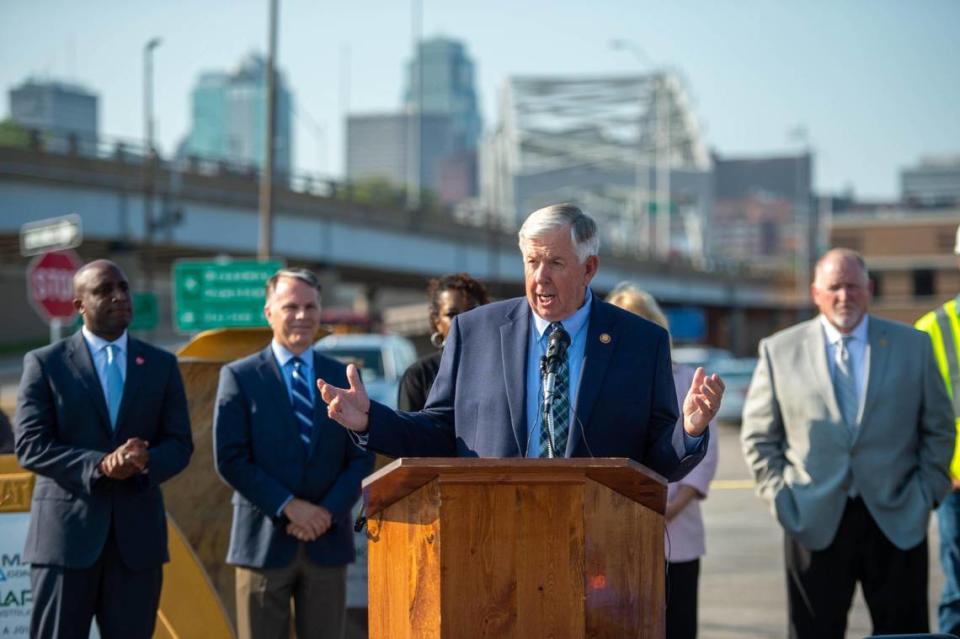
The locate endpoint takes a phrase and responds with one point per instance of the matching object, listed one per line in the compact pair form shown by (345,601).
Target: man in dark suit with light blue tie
(296,474)
(102,420)
(613,396)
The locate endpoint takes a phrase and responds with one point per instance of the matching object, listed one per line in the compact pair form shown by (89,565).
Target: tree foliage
(12,134)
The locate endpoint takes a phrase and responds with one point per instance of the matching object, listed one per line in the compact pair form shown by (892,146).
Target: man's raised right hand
(349,407)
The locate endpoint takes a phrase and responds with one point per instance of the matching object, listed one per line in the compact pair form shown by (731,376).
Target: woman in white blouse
(684,535)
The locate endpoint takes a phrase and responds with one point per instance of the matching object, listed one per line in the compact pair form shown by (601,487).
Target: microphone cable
(576,410)
(666,564)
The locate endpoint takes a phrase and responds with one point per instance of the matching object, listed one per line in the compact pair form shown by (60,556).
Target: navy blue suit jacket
(260,454)
(63,431)
(626,407)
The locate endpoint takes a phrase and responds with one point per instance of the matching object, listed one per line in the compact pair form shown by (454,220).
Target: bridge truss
(610,143)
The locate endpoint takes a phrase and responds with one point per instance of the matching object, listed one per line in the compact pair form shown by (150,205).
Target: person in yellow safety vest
(943,326)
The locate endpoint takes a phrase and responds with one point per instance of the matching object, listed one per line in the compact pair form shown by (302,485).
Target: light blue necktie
(845,383)
(114,383)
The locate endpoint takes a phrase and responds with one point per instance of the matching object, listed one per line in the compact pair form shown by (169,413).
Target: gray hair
(304,275)
(583,230)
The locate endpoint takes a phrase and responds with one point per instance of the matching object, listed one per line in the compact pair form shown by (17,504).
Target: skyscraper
(440,82)
(229,116)
(934,182)
(447,88)
(378,147)
(59,109)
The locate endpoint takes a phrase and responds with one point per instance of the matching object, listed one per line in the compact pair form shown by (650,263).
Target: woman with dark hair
(449,296)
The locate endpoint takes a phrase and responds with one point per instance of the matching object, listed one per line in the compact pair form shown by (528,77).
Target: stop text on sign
(53,284)
(50,284)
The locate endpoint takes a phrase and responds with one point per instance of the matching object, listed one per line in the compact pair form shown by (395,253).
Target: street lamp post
(149,163)
(661,153)
(664,213)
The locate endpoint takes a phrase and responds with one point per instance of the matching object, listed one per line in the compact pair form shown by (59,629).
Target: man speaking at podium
(600,375)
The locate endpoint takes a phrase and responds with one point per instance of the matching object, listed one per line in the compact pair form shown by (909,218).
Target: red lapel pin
(140,361)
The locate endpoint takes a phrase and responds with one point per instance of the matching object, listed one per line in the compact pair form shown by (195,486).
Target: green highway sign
(220,294)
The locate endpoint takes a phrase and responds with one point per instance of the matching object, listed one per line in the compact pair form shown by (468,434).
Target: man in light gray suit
(849,433)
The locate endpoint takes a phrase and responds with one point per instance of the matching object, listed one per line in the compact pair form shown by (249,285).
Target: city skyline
(228,116)
(871,82)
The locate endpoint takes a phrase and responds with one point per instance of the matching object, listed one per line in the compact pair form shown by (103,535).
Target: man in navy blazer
(102,420)
(295,472)
(616,399)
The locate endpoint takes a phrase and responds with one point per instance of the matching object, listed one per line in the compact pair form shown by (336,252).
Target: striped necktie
(845,383)
(114,383)
(560,404)
(302,404)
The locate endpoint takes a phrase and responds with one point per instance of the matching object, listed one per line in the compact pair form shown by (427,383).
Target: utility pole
(802,216)
(415,118)
(265,243)
(149,165)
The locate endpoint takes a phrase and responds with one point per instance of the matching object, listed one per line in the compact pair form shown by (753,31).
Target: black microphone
(557,345)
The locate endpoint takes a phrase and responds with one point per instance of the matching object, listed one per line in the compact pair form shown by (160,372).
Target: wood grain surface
(404,568)
(624,566)
(515,550)
(404,475)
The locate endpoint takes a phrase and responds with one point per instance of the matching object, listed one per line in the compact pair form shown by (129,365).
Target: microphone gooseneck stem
(550,380)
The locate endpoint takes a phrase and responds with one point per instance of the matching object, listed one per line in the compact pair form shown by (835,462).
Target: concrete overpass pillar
(738,327)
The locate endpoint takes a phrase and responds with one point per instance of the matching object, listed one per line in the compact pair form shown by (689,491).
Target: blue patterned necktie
(845,383)
(302,404)
(114,383)
(560,404)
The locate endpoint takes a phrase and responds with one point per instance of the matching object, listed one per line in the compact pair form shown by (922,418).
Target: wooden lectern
(524,548)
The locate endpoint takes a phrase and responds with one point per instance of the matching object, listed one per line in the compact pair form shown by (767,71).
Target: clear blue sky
(875,82)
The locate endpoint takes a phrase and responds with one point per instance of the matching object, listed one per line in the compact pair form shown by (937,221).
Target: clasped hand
(307,521)
(129,459)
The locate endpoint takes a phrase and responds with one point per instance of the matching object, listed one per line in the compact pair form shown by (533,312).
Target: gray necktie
(845,382)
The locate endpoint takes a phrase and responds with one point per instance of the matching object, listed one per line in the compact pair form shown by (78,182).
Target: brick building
(909,254)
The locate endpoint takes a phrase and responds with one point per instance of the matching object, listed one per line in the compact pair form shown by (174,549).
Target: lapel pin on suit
(605,338)
(140,361)
(883,342)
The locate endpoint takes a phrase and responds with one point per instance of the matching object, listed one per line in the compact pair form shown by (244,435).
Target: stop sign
(50,284)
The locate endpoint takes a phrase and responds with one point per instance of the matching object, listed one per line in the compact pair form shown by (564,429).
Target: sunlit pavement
(742,590)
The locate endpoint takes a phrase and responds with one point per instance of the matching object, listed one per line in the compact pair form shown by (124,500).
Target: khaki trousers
(318,594)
